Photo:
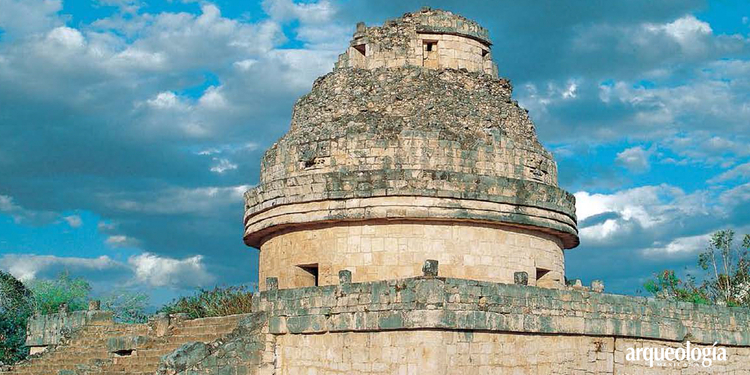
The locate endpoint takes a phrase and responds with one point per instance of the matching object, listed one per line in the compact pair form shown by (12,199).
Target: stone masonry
(408,223)
(412,148)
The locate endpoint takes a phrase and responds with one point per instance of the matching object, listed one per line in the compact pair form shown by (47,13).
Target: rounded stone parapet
(552,211)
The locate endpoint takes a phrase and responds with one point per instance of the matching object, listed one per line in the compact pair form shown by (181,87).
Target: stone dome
(415,146)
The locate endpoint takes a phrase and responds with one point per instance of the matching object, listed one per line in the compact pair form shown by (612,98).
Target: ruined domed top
(413,108)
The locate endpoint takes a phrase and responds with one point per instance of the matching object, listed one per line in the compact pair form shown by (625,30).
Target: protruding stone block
(521,278)
(597,286)
(159,323)
(361,27)
(272,283)
(345,277)
(430,268)
(95,305)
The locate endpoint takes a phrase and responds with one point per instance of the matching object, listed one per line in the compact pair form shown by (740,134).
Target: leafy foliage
(727,278)
(729,269)
(15,308)
(666,285)
(50,294)
(127,307)
(220,301)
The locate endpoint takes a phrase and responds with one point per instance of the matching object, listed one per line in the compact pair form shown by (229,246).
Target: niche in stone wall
(430,54)
(306,275)
(358,56)
(544,278)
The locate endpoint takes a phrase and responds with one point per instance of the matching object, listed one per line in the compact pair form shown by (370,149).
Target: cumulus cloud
(28,266)
(681,246)
(23,17)
(636,159)
(157,271)
(20,214)
(145,270)
(74,221)
(640,214)
(179,200)
(741,171)
(119,240)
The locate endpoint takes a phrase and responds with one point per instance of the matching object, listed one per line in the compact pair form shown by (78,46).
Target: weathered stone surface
(345,277)
(90,343)
(429,303)
(521,278)
(430,268)
(45,330)
(413,128)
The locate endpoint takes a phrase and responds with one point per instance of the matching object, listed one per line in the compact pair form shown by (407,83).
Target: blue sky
(130,129)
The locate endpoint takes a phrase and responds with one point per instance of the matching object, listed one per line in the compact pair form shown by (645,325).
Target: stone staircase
(117,349)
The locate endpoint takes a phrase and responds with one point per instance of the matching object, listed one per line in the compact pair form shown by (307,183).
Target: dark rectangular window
(309,272)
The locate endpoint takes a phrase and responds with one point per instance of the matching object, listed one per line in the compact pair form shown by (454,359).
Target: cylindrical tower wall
(382,250)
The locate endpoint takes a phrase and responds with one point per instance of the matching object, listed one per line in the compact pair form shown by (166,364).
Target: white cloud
(741,171)
(223,165)
(74,221)
(635,159)
(67,37)
(119,240)
(167,100)
(687,31)
(26,267)
(22,17)
(652,209)
(158,271)
(145,269)
(180,200)
(315,13)
(23,215)
(681,246)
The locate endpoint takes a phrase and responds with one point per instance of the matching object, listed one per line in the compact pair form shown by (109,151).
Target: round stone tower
(411,149)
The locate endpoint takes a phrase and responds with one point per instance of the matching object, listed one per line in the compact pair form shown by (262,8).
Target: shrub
(50,294)
(220,301)
(15,308)
(127,307)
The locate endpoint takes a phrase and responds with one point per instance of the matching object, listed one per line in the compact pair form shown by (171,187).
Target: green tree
(15,308)
(667,285)
(728,269)
(127,307)
(726,279)
(48,295)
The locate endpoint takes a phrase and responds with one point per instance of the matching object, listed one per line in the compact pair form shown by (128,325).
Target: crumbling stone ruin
(411,149)
(409,222)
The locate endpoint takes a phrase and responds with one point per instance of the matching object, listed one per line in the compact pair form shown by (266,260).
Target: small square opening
(430,46)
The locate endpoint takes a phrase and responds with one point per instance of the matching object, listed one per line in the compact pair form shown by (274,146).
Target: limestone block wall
(391,250)
(442,326)
(49,330)
(433,39)
(480,353)
(435,51)
(459,304)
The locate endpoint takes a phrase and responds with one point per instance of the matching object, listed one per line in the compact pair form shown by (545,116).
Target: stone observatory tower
(411,149)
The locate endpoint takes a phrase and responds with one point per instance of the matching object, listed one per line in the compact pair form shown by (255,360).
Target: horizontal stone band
(261,224)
